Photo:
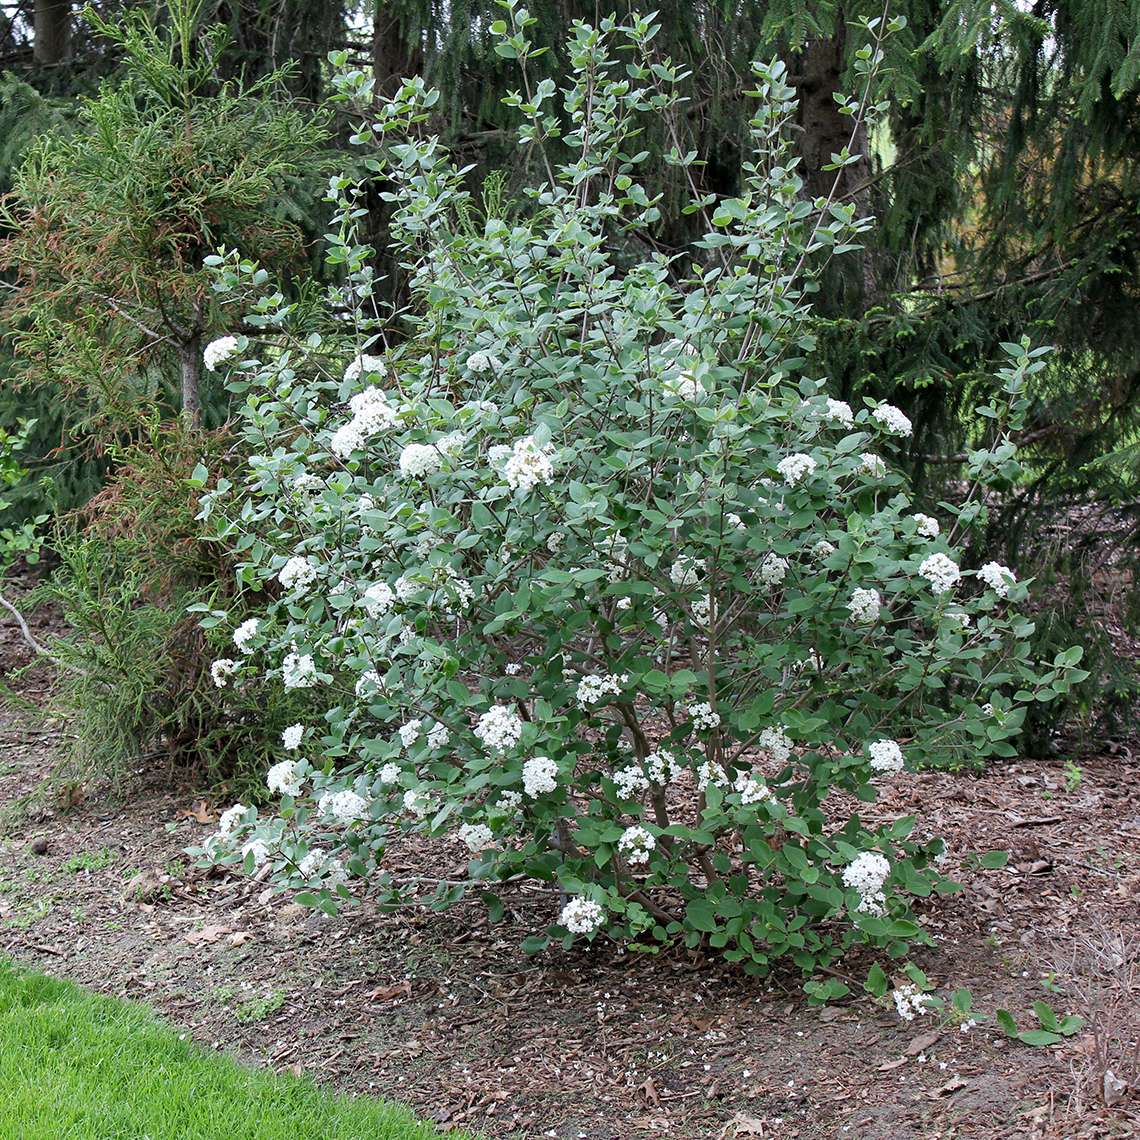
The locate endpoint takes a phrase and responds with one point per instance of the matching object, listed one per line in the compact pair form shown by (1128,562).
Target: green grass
(75,1066)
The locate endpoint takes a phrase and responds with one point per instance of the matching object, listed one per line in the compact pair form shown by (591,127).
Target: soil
(445,1012)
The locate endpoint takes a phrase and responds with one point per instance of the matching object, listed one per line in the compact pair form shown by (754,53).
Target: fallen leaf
(649,1091)
(1114,1088)
(208,934)
(742,1125)
(239,937)
(951,1086)
(386,993)
(199,811)
(923,1042)
(887,1066)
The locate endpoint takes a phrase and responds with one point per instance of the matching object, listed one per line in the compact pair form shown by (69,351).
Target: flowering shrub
(598,582)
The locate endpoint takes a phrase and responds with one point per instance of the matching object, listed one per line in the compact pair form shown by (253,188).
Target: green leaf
(994,860)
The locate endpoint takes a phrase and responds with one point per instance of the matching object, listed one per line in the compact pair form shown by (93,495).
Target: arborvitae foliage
(110,222)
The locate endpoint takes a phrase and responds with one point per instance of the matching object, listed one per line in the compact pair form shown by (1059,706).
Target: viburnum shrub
(597,579)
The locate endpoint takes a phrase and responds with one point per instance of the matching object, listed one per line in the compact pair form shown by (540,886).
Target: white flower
(284,778)
(796,468)
(891,420)
(410,732)
(499,728)
(390,774)
(307,484)
(595,686)
(987,709)
(540,775)
(477,836)
(291,737)
(259,849)
(582,916)
(839,413)
(419,459)
(245,633)
(864,606)
(872,464)
(867,872)
(685,571)
(298,671)
(297,574)
(312,864)
(734,521)
(703,717)
(775,741)
(702,608)
(709,772)
(909,1000)
(370,682)
(417,802)
(636,843)
(363,364)
(886,757)
(438,736)
(342,807)
(378,599)
(630,782)
(509,801)
(662,767)
(752,789)
(222,670)
(230,819)
(822,550)
(925,526)
(773,569)
(346,439)
(407,588)
(529,465)
(957,617)
(480,362)
(998,577)
(686,386)
(941,572)
(219,351)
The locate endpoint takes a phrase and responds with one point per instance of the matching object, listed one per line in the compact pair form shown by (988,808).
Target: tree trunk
(52,26)
(190,363)
(826,132)
(395,54)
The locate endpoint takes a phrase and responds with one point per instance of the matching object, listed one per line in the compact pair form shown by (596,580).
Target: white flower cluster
(342,807)
(925,526)
(410,732)
(480,362)
(595,686)
(752,788)
(710,772)
(362,365)
(997,577)
(635,844)
(864,606)
(685,572)
(775,741)
(222,670)
(839,413)
(941,572)
(291,737)
(244,635)
(630,782)
(372,413)
(530,465)
(419,459)
(417,802)
(230,818)
(258,849)
(285,778)
(298,573)
(540,776)
(872,464)
(438,736)
(886,757)
(686,386)
(389,774)
(796,468)
(662,767)
(703,717)
(319,865)
(773,569)
(867,873)
(477,836)
(891,420)
(582,916)
(378,599)
(219,351)
(910,1000)
(499,729)
(298,671)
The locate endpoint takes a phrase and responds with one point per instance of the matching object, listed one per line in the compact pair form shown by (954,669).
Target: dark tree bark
(52,26)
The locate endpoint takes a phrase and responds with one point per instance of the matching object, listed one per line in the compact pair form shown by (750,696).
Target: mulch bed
(444,1011)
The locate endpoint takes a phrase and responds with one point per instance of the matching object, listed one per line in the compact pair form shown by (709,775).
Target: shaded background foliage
(1004,184)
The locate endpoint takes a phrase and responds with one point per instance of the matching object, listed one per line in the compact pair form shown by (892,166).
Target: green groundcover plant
(598,580)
